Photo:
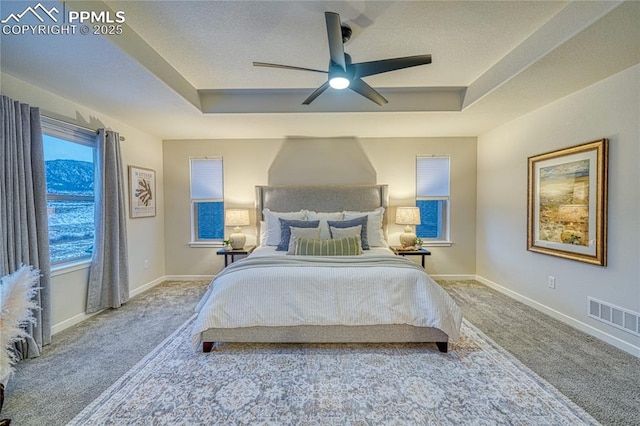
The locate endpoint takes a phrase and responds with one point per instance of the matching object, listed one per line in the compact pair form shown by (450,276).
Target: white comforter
(269,289)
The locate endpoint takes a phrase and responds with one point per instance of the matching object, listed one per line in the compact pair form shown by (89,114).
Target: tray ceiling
(184,69)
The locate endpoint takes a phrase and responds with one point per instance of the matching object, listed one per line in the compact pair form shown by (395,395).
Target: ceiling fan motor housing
(346,32)
(336,72)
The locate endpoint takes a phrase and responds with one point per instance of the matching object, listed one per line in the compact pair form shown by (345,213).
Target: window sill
(205,244)
(66,268)
(437,244)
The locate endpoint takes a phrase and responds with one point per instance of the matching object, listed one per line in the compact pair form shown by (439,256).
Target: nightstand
(231,254)
(412,252)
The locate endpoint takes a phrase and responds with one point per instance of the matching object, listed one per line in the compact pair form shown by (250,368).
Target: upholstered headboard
(331,198)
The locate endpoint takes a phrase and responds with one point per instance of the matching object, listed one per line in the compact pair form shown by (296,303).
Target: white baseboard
(57,328)
(146,286)
(453,277)
(586,328)
(189,277)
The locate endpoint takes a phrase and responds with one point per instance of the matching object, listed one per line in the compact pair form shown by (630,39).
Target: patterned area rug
(331,384)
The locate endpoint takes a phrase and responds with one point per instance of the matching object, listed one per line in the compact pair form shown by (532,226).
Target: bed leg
(207,346)
(443,346)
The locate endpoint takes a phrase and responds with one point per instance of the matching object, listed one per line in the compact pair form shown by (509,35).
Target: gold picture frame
(142,192)
(567,203)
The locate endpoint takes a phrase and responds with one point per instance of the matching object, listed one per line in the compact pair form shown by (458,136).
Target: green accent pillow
(349,246)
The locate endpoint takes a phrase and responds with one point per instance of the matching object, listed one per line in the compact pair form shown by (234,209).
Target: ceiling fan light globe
(339,83)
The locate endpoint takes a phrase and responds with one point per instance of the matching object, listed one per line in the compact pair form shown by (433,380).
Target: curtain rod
(74,124)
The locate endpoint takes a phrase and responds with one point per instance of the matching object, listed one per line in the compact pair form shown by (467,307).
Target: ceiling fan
(344,74)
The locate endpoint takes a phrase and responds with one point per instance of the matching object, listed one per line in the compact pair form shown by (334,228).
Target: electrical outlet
(146,264)
(551,282)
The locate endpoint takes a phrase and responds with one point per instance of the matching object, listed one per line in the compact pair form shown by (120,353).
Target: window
(69,153)
(432,197)
(207,200)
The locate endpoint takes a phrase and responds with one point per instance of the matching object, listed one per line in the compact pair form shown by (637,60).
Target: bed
(281,296)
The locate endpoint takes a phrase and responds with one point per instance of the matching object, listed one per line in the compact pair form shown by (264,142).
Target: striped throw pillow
(349,246)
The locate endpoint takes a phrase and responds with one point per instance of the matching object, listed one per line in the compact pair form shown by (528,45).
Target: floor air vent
(621,318)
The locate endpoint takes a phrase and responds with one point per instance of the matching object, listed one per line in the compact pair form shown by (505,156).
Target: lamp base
(237,239)
(408,239)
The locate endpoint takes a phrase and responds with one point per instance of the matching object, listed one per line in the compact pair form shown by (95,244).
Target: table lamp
(237,218)
(408,216)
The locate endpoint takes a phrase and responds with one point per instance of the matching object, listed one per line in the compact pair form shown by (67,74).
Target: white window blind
(206,179)
(432,198)
(432,176)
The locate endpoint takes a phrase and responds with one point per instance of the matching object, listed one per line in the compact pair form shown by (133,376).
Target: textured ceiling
(216,49)
(492,61)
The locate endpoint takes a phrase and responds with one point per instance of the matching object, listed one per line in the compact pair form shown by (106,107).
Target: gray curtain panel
(109,272)
(24,232)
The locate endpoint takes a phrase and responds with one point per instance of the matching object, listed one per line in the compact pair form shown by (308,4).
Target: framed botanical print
(142,192)
(567,203)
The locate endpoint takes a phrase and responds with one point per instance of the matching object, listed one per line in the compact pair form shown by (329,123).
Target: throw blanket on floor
(290,291)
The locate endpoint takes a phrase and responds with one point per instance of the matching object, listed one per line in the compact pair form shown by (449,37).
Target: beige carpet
(402,384)
(85,360)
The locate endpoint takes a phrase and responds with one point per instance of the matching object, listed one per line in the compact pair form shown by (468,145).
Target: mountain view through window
(70,198)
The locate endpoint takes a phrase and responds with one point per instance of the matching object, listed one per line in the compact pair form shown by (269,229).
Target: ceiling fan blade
(316,93)
(364,69)
(367,91)
(286,67)
(334,32)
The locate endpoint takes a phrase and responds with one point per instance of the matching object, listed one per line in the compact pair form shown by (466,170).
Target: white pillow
(273,224)
(339,233)
(323,218)
(263,233)
(297,233)
(375,234)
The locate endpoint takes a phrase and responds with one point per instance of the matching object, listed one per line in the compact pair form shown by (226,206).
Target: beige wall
(145,236)
(251,162)
(608,109)
(489,239)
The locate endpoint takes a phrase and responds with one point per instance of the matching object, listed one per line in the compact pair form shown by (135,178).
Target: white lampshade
(237,218)
(408,216)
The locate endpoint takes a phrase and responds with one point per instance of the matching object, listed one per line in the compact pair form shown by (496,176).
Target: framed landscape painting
(567,203)
(142,192)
